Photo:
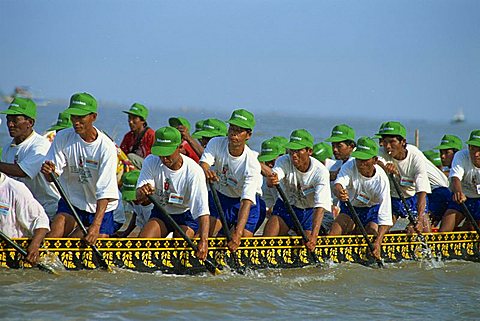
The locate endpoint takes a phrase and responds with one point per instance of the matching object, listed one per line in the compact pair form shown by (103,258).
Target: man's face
(135,123)
(82,124)
(341,150)
(393,146)
(300,157)
(474,154)
(238,136)
(18,125)
(446,155)
(366,166)
(172,160)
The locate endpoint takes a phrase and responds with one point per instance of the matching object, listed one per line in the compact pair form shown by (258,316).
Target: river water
(408,290)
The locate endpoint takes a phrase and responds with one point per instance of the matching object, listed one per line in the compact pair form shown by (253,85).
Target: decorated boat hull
(173,256)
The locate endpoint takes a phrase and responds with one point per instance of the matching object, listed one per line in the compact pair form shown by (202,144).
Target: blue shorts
(263,213)
(185,219)
(438,202)
(231,206)
(366,214)
(473,205)
(107,227)
(305,215)
(399,210)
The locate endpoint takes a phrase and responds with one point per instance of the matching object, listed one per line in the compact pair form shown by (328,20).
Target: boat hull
(173,255)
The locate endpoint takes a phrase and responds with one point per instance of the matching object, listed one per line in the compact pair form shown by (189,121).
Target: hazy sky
(382,59)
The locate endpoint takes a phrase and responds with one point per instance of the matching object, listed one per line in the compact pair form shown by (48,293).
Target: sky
(409,59)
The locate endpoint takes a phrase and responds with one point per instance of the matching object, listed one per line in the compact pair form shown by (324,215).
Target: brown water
(409,290)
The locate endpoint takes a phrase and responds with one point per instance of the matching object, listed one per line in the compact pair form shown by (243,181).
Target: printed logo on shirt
(222,176)
(164,195)
(83,172)
(362,198)
(307,190)
(4,208)
(407,181)
(232,182)
(91,163)
(175,198)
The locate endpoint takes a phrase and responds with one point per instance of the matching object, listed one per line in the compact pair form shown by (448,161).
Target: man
(367,187)
(323,152)
(63,122)
(465,185)
(306,184)
(433,157)
(343,143)
(21,215)
(23,157)
(237,171)
(449,145)
(410,167)
(86,161)
(179,183)
(190,147)
(137,143)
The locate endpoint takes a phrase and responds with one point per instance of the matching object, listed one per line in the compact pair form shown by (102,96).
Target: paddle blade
(212,268)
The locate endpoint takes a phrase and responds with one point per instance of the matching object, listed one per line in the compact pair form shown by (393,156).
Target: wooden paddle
(226,230)
(410,216)
(359,224)
(208,264)
(470,217)
(60,189)
(24,253)
(296,222)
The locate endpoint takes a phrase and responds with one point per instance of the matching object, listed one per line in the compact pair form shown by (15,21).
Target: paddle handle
(364,232)
(220,211)
(208,264)
(296,221)
(64,196)
(470,217)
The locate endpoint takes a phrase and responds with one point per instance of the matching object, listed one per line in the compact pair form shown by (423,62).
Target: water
(413,290)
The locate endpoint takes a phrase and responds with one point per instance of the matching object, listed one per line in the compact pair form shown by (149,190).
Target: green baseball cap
(199,125)
(393,128)
(271,149)
(366,148)
(433,156)
(322,151)
(282,141)
(450,142)
(138,110)
(300,138)
(21,106)
(212,127)
(242,118)
(179,121)
(341,133)
(167,140)
(63,122)
(474,138)
(129,185)
(81,104)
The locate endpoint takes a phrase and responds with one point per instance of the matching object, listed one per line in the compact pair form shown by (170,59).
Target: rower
(21,215)
(410,165)
(449,145)
(63,122)
(307,186)
(137,143)
(433,157)
(179,183)
(237,171)
(367,187)
(86,161)
(190,146)
(465,185)
(22,158)
(343,143)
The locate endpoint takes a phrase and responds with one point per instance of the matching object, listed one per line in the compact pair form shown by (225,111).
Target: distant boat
(459,117)
(24,92)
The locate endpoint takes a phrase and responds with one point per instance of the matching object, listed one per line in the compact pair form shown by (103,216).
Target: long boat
(172,255)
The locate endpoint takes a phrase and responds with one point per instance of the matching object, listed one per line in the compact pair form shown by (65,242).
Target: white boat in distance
(459,117)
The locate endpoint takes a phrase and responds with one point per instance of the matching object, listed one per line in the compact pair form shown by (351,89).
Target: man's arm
(317,222)
(204,222)
(12,170)
(377,245)
(237,234)
(33,253)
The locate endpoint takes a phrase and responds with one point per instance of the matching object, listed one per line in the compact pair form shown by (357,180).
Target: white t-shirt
(119,212)
(367,191)
(177,191)
(29,156)
(413,172)
(239,176)
(435,176)
(304,190)
(467,173)
(20,213)
(269,194)
(87,170)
